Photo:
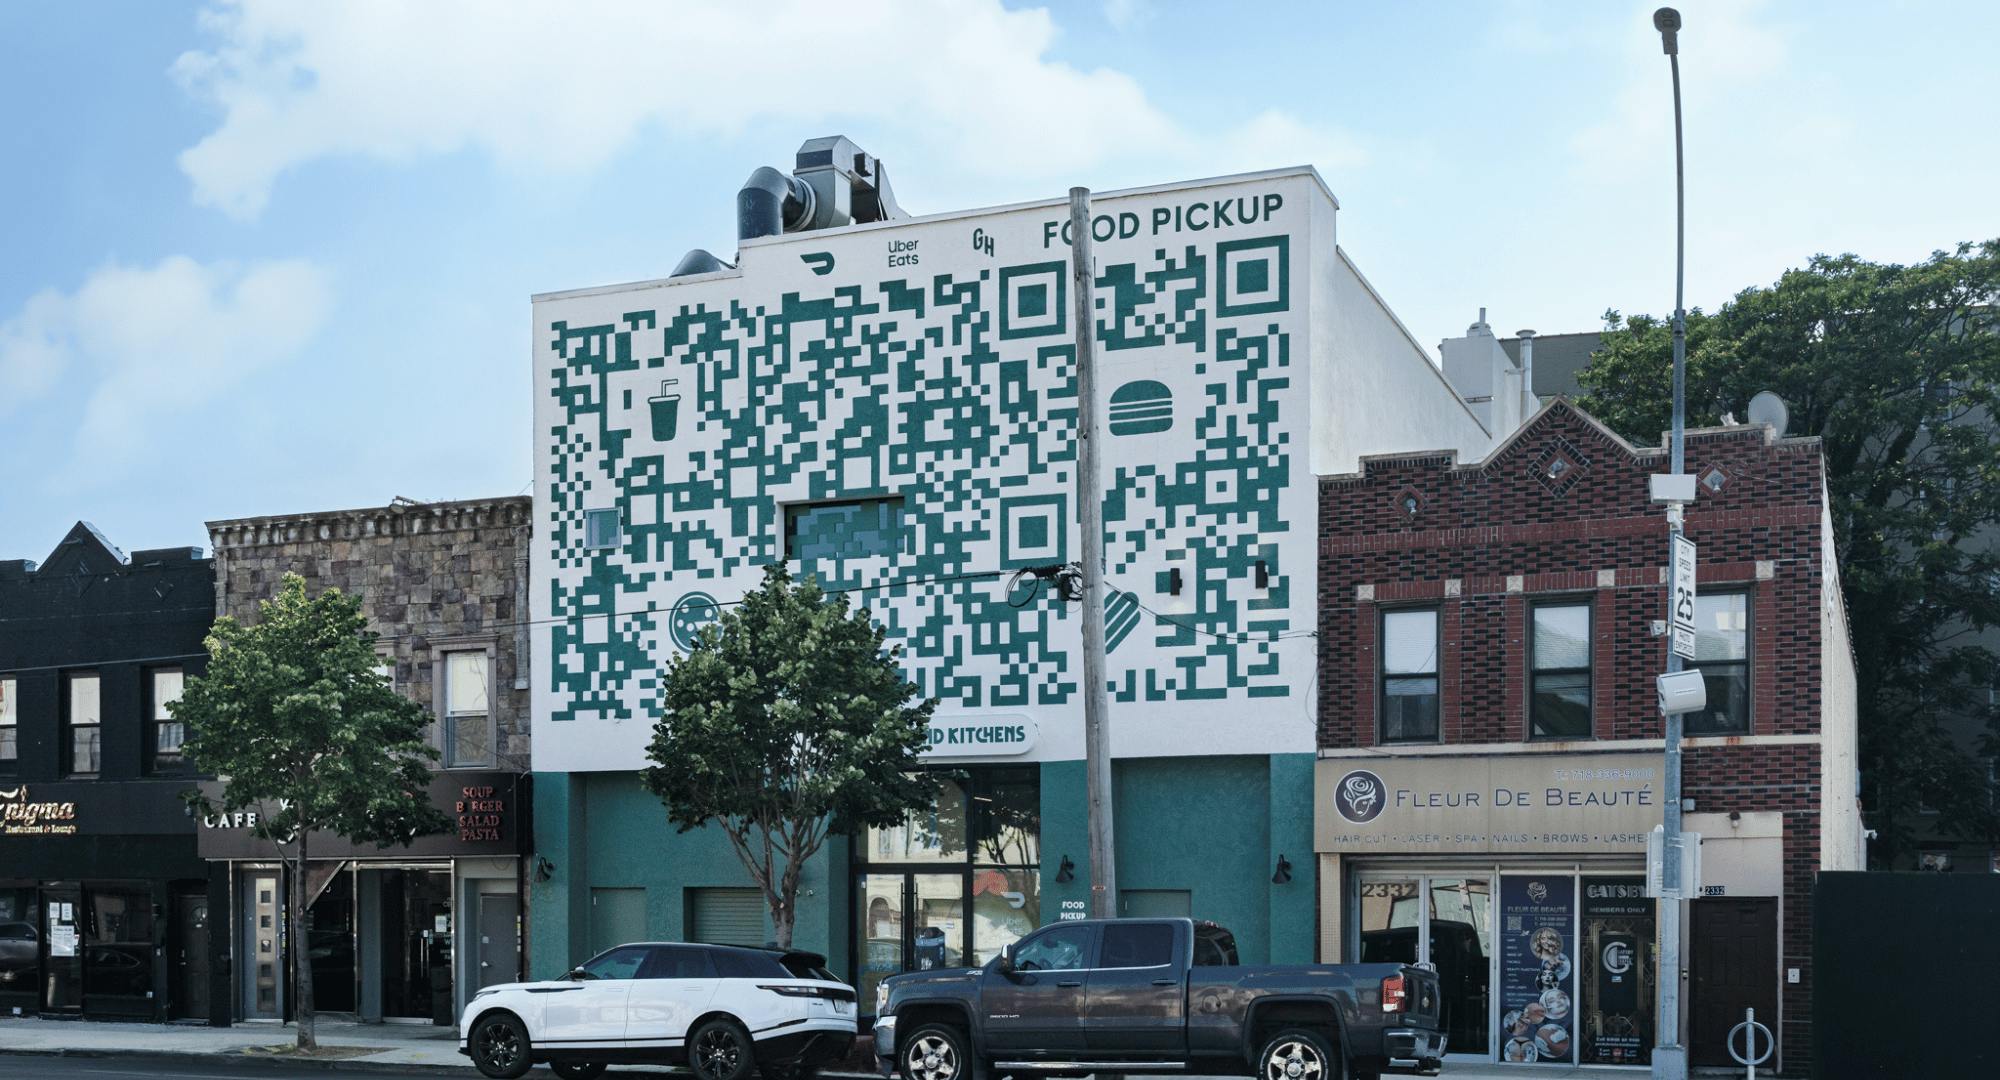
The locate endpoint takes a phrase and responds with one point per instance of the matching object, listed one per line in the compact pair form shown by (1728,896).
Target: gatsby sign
(1485,804)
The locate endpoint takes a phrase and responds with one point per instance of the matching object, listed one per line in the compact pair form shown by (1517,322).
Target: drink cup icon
(666,411)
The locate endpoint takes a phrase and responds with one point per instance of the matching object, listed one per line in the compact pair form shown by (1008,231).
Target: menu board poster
(1537,978)
(1616,1022)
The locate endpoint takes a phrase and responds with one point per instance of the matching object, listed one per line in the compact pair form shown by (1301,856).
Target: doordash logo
(1360,796)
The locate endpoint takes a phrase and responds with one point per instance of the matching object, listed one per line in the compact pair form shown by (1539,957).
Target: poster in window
(1616,1024)
(1537,977)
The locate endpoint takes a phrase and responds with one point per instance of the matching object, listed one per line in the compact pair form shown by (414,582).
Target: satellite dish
(1769,408)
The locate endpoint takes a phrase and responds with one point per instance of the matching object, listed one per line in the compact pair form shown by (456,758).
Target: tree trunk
(302,998)
(782,918)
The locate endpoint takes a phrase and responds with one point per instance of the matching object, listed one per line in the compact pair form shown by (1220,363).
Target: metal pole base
(1670,1063)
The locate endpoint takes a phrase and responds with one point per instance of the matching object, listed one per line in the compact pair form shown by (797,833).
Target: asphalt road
(135,1067)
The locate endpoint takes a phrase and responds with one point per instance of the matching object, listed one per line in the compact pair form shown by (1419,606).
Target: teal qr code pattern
(939,412)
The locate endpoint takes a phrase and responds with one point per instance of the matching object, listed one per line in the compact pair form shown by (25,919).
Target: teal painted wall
(606,831)
(1214,826)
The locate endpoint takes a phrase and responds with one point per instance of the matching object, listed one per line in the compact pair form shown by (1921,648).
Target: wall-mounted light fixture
(1174,581)
(1283,875)
(1067,871)
(1263,575)
(544,869)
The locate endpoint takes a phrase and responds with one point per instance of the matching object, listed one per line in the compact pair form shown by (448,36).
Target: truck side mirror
(1005,964)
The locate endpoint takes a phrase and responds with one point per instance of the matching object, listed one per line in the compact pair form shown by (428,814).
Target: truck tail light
(1395,995)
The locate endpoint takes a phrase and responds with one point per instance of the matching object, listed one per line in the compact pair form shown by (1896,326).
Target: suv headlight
(881,998)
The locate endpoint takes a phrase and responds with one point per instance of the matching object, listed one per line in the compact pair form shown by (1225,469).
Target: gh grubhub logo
(1359,796)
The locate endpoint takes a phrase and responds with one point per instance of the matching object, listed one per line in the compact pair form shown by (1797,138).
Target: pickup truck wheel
(937,1052)
(1298,1054)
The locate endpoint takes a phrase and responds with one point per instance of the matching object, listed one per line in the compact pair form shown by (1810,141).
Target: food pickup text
(1197,216)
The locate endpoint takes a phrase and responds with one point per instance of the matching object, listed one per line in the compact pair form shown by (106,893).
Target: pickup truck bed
(1156,995)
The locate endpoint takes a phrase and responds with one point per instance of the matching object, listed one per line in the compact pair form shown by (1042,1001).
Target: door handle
(1165,982)
(1071,984)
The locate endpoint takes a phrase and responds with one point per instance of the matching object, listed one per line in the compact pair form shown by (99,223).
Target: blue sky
(267,258)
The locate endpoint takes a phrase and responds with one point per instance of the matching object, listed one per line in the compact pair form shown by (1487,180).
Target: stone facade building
(1490,745)
(404,932)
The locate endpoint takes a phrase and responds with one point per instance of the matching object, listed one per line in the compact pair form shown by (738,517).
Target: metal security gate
(726,916)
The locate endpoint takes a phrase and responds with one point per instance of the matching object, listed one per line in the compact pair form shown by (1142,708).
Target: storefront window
(1616,1024)
(1537,976)
(118,947)
(935,835)
(953,885)
(20,942)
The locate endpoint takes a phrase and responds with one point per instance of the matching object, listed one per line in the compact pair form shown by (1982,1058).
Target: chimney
(1530,401)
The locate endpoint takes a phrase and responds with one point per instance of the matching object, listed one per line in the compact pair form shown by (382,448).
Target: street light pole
(1669,1055)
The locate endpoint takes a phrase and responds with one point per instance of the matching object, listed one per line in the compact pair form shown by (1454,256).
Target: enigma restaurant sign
(21,815)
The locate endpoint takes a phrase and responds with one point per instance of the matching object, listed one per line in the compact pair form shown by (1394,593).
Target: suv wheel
(936,1052)
(1298,1054)
(500,1047)
(719,1050)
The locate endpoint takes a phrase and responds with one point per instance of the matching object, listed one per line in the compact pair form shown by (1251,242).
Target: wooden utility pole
(1089,514)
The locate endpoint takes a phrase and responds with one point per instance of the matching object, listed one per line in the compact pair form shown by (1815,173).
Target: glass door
(1444,921)
(909,922)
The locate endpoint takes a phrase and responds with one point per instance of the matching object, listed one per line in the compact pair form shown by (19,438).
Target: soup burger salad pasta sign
(1488,804)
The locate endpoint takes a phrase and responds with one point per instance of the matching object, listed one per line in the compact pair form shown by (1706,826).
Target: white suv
(720,1010)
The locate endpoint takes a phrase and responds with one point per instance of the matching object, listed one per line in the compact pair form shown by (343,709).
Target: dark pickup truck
(1151,996)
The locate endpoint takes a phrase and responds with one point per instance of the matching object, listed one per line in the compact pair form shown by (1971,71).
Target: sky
(264,258)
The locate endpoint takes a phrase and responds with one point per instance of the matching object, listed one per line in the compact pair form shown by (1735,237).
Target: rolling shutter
(726,916)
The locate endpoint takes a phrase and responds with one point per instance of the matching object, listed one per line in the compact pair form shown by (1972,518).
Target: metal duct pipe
(698,261)
(770,203)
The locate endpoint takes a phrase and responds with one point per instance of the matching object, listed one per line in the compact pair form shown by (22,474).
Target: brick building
(406,932)
(1490,744)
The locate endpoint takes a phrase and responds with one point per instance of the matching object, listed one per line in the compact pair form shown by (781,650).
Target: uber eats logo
(1360,796)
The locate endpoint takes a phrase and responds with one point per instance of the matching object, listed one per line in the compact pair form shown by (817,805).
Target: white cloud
(562,88)
(1127,14)
(145,343)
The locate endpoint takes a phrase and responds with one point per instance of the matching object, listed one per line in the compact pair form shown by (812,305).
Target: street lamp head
(1668,22)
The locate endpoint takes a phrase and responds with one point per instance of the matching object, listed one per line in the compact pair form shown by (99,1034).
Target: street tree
(300,729)
(1896,368)
(789,719)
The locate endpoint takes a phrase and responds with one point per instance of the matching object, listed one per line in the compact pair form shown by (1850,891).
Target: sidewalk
(365,1045)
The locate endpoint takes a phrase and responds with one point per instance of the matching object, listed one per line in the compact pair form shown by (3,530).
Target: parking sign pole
(1669,1055)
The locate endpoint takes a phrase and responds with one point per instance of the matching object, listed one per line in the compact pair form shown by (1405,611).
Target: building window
(10,724)
(468,715)
(824,540)
(602,529)
(385,664)
(1409,676)
(1934,862)
(1559,697)
(1722,652)
(86,726)
(167,733)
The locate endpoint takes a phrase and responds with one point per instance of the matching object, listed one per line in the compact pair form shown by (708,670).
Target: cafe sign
(1487,804)
(22,815)
(486,809)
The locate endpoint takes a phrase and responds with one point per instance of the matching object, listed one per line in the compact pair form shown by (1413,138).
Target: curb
(271,1060)
(280,1060)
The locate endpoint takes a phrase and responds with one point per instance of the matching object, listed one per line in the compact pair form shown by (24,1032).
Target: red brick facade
(1486,540)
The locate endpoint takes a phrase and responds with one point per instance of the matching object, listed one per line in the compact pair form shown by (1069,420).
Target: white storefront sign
(981,736)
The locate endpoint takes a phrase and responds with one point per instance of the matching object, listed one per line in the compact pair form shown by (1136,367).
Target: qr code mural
(911,441)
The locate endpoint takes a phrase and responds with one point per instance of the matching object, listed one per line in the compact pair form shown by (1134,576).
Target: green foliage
(1897,369)
(788,719)
(294,715)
